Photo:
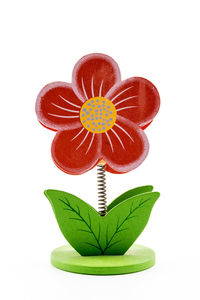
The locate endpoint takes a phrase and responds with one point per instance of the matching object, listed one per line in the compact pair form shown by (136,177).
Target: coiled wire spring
(101,182)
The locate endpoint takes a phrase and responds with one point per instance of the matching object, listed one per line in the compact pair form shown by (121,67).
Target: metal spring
(101,182)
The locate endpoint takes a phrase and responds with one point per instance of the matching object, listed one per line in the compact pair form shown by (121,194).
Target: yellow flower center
(98,114)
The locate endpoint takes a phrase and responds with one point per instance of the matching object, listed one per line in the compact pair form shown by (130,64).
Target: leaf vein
(82,220)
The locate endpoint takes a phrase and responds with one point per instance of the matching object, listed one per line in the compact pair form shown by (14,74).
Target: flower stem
(101,181)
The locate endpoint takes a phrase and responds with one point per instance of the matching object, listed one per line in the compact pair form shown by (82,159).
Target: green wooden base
(137,258)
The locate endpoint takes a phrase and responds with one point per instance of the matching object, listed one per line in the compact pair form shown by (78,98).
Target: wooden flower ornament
(98,116)
(100,120)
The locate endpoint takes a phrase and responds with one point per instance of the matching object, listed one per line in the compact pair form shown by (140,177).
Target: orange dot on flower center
(98,114)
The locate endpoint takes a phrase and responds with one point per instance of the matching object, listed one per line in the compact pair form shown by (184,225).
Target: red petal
(57,107)
(76,151)
(94,75)
(136,99)
(124,147)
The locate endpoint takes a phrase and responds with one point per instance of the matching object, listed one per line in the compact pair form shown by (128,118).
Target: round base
(137,258)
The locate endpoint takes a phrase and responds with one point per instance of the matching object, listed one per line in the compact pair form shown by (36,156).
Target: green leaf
(128,220)
(78,221)
(130,193)
(91,234)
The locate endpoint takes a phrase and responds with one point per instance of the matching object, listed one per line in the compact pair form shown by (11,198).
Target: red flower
(98,116)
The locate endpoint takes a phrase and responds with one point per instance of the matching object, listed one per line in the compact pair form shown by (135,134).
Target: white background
(40,42)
